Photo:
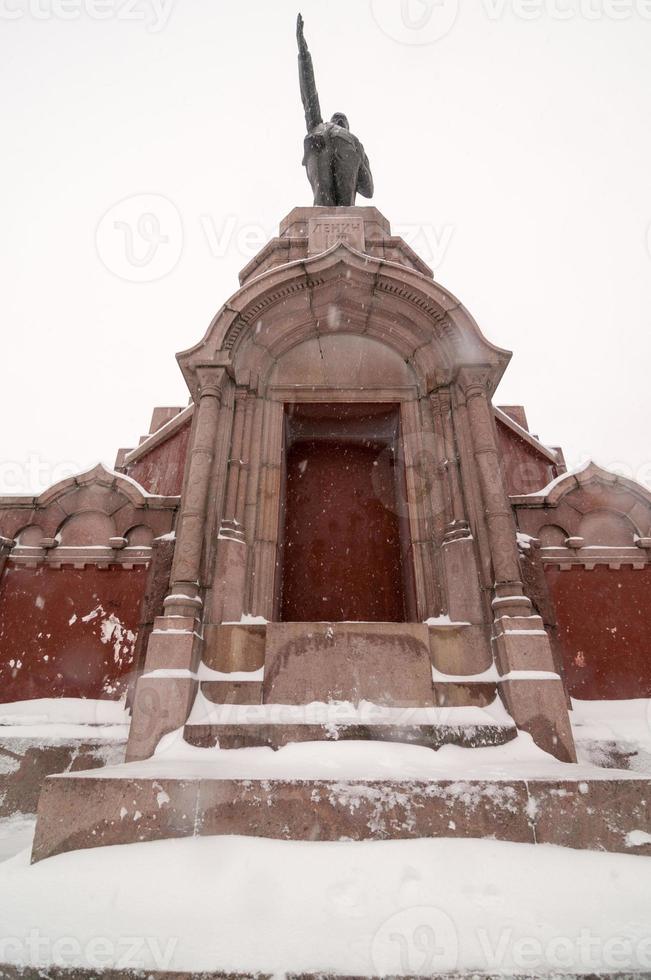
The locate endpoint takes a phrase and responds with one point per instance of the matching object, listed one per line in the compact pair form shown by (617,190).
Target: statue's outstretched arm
(309,94)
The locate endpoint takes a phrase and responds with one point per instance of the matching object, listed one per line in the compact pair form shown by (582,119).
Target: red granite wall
(604,630)
(161,470)
(68,632)
(525,469)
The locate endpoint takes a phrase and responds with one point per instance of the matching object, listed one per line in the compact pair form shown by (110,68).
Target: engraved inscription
(323,233)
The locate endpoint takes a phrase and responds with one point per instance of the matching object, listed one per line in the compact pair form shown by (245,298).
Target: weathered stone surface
(386,663)
(539,707)
(232,692)
(276,735)
(161,705)
(26,762)
(234,648)
(79,812)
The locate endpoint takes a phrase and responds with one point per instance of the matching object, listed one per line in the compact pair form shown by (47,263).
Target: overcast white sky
(510,142)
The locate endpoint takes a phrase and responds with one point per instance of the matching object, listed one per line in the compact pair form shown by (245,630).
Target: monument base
(124,806)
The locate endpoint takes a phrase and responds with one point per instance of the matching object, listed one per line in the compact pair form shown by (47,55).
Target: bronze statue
(337,166)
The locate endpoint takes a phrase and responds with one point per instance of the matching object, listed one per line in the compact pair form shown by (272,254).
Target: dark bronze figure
(337,166)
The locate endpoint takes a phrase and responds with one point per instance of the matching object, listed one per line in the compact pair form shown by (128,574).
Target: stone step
(275,735)
(232,692)
(457,694)
(446,694)
(153,801)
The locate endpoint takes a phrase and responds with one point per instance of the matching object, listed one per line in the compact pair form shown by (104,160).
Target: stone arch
(346,360)
(590,490)
(96,483)
(340,292)
(110,501)
(86,529)
(605,527)
(552,536)
(139,536)
(31,535)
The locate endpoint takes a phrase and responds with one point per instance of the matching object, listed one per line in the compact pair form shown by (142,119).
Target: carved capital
(438,379)
(211,378)
(474,380)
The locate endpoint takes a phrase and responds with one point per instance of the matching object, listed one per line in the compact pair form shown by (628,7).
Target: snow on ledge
(444,620)
(248,620)
(64,719)
(488,676)
(345,761)
(334,713)
(72,711)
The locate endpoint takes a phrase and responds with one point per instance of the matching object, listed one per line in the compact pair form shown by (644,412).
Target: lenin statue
(337,166)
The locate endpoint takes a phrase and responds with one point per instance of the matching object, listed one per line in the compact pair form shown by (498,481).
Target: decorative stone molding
(589,517)
(364,228)
(404,309)
(87,519)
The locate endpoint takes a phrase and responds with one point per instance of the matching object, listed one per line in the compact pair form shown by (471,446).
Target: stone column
(265,560)
(530,686)
(419,507)
(166,690)
(231,563)
(458,549)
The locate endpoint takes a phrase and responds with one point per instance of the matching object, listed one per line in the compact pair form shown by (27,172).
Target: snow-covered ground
(16,834)
(613,732)
(65,719)
(394,907)
(397,907)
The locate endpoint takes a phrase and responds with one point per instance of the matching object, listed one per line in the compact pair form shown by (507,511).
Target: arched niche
(30,536)
(342,360)
(87,528)
(140,536)
(604,527)
(552,536)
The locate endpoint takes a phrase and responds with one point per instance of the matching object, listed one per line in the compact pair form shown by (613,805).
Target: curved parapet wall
(75,567)
(588,549)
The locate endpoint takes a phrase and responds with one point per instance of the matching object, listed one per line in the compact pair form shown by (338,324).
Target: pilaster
(166,690)
(532,690)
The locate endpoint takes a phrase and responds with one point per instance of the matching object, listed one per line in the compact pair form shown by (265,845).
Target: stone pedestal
(385,663)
